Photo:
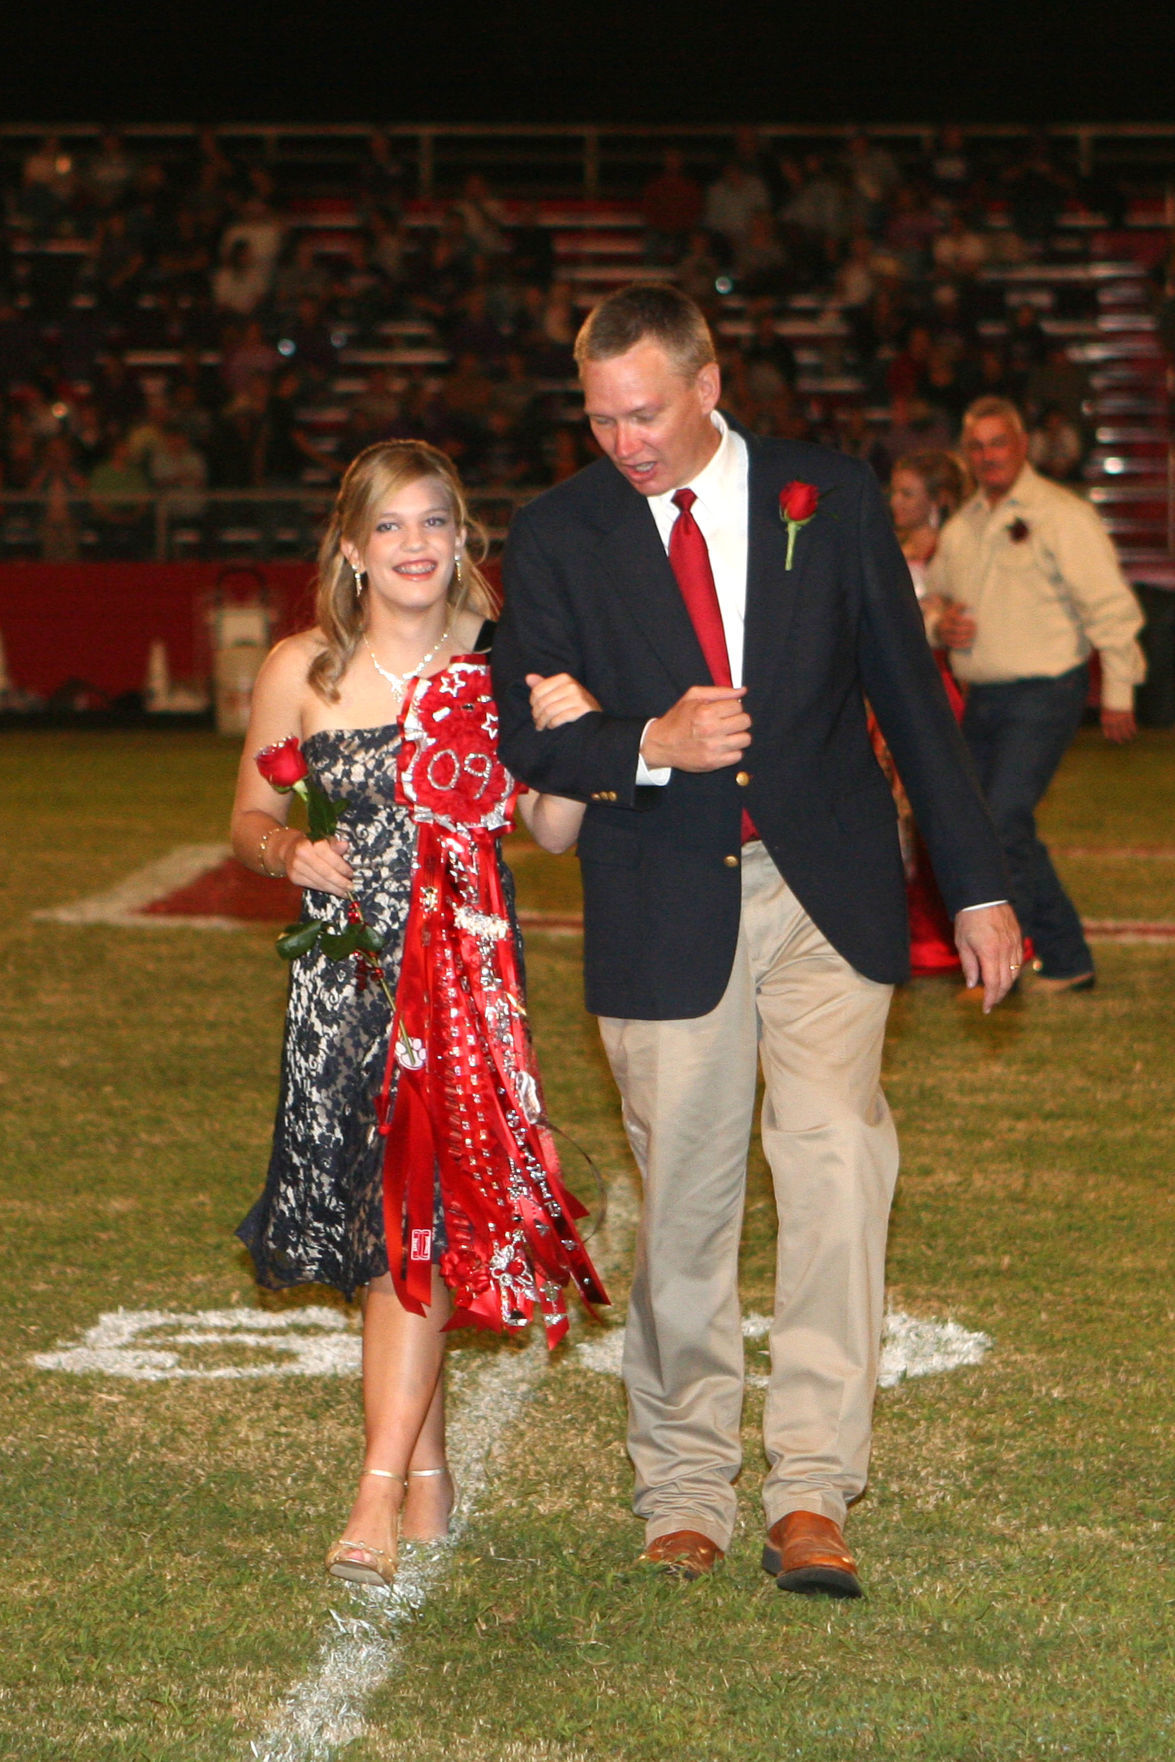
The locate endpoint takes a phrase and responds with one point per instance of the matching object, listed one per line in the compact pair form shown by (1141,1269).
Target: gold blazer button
(731,862)
(742,778)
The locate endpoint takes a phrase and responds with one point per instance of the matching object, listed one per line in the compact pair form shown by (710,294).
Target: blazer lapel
(771,586)
(638,573)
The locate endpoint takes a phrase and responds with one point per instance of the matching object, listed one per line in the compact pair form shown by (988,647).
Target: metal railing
(216,525)
(274,524)
(594,160)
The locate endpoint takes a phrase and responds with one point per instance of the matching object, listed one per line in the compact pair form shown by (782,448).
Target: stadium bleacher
(1094,284)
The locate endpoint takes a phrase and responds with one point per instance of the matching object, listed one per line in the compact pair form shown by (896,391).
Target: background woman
(925,489)
(399,597)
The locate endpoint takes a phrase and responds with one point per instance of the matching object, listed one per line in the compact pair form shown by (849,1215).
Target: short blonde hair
(647,311)
(371,477)
(1001,407)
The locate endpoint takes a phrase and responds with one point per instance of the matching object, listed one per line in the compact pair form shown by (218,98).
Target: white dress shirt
(721,514)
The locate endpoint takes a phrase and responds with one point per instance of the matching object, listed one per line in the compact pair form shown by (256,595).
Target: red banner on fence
(97,621)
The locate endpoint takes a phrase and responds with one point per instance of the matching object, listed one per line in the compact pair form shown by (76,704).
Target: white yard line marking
(362,1645)
(325,1711)
(360,1648)
(123,905)
(359,1651)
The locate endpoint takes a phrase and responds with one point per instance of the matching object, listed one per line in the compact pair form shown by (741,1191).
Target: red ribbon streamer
(467,1106)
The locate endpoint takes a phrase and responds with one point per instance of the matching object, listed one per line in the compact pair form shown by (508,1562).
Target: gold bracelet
(274,874)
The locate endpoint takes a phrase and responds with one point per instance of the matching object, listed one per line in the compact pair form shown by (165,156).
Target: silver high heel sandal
(429,1474)
(376,1566)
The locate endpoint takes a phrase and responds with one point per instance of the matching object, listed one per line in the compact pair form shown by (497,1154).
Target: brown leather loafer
(686,1554)
(807,1553)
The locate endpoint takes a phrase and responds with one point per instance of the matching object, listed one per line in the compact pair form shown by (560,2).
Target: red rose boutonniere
(1018,531)
(797,505)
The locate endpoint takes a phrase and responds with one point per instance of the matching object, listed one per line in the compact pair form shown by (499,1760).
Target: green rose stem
(358,938)
(793,526)
(285,769)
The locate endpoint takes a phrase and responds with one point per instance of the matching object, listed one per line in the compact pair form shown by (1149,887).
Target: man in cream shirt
(1032,588)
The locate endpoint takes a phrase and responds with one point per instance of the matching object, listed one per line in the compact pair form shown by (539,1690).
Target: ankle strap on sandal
(383,1474)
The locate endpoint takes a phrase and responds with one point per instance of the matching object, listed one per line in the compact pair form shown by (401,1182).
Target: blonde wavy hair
(372,477)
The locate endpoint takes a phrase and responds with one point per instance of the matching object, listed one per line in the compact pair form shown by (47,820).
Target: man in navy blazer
(743,898)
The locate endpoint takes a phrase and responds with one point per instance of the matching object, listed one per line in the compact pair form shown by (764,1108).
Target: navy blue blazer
(589,591)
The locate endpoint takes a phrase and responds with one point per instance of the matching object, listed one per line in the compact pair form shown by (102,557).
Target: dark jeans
(1018,734)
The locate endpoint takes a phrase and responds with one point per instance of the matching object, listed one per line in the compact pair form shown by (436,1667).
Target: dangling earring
(457,586)
(359,576)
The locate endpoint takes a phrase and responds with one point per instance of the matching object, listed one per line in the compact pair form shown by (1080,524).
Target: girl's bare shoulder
(291,659)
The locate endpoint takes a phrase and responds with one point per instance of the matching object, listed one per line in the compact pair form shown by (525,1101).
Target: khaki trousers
(688,1091)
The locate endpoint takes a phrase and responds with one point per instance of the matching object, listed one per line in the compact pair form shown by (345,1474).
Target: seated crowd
(262,322)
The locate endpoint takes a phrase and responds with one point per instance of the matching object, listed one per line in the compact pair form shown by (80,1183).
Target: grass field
(163,1540)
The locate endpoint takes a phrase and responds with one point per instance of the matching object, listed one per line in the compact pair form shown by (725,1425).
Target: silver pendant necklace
(400,682)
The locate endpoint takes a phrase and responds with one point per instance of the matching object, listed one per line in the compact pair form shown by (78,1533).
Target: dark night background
(551,62)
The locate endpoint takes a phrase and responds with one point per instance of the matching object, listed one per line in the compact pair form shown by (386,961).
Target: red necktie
(690,561)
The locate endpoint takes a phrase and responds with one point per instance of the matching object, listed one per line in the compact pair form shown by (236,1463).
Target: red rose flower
(798,501)
(797,505)
(283,765)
